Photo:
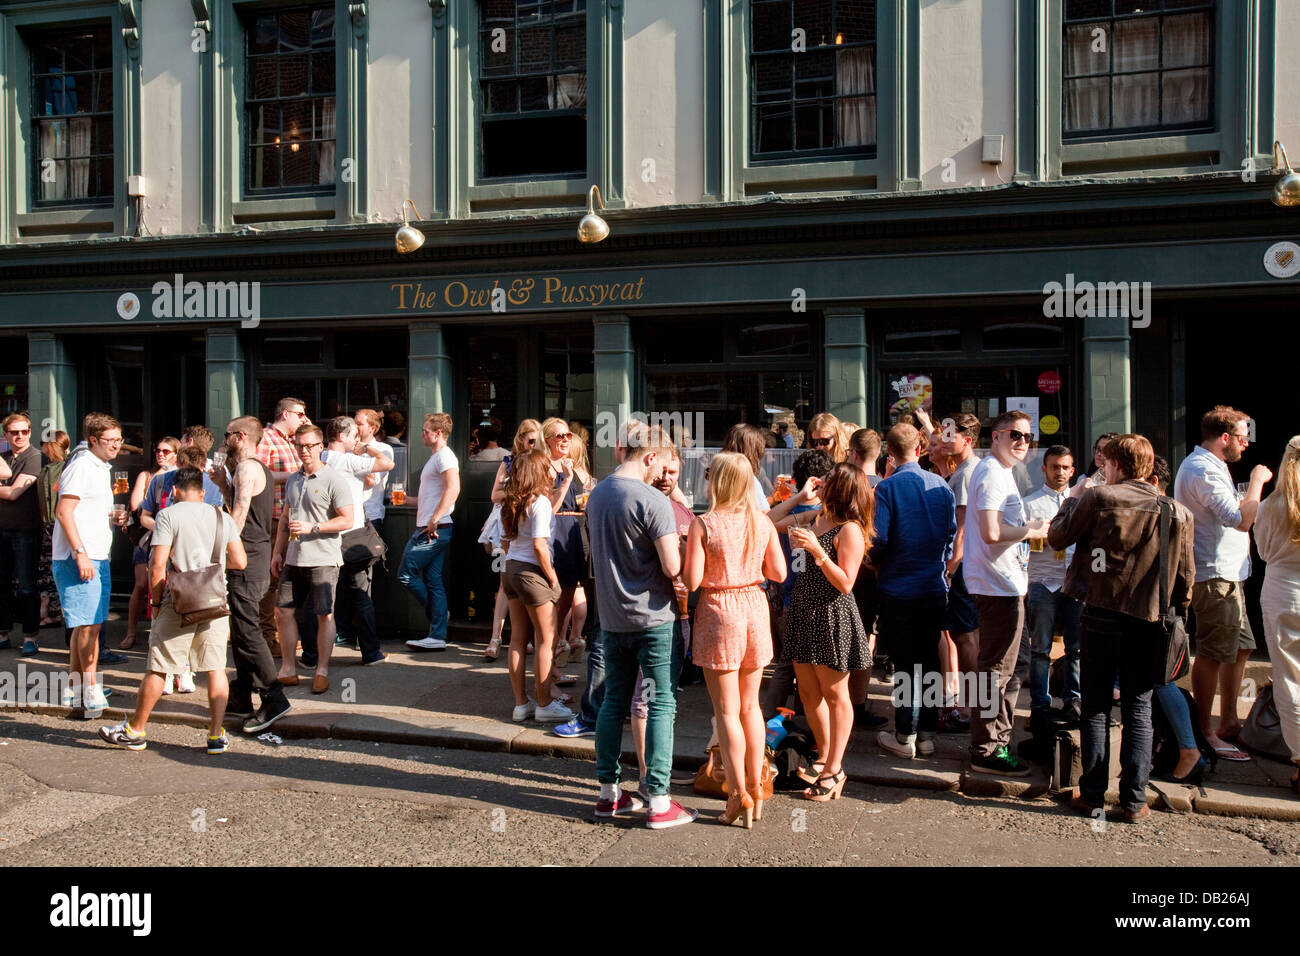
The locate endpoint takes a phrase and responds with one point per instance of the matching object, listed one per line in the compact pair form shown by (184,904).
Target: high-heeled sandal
(493,650)
(812,773)
(824,794)
(757,796)
(577,649)
(561,657)
(739,806)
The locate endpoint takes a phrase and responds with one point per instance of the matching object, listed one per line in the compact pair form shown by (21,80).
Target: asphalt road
(68,799)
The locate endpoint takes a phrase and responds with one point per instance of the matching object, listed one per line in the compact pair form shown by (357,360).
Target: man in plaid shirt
(276,451)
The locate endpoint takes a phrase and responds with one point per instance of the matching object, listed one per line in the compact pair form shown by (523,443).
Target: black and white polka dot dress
(823,626)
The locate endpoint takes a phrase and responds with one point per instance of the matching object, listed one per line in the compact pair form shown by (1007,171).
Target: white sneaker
(428,644)
(70,696)
(905,747)
(554,712)
(523,712)
(95,702)
(169,684)
(925,744)
(185,683)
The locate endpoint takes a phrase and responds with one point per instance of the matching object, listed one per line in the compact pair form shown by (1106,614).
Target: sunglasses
(164,451)
(19,431)
(1016,436)
(819,442)
(563,436)
(305,445)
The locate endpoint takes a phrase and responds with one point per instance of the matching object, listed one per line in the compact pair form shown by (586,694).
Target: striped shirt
(277,453)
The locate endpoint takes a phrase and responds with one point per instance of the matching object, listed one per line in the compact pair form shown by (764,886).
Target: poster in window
(914,391)
(1028,405)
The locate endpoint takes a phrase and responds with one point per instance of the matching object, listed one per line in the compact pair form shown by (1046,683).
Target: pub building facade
(876,221)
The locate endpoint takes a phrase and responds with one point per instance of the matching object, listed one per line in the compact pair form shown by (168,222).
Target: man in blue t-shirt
(635,554)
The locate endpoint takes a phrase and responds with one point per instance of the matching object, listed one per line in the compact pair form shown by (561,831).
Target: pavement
(457,700)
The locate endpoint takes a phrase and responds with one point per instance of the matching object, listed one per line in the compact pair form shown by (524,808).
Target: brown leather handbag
(200,595)
(711,779)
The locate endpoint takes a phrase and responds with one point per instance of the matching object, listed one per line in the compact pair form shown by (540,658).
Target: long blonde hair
(826,422)
(731,488)
(527,427)
(578,447)
(1288,486)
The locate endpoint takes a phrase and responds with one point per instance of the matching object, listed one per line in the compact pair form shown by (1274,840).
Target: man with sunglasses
(275,450)
(1221,543)
(308,554)
(996,569)
(20,534)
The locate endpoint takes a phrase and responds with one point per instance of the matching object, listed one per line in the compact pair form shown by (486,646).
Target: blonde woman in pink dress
(729,550)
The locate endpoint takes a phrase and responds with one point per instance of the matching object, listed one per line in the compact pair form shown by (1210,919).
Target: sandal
(822,793)
(812,773)
(128,642)
(561,656)
(1231,754)
(493,649)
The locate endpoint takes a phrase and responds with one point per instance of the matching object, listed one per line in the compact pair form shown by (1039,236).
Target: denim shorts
(84,603)
(961,616)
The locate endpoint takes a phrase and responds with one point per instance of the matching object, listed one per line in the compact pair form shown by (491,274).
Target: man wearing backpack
(20,534)
(186,535)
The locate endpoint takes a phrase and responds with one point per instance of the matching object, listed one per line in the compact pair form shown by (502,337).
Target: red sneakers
(627,803)
(674,816)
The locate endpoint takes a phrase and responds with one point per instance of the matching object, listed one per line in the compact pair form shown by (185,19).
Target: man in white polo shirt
(83,537)
(995,566)
(422,563)
(1221,545)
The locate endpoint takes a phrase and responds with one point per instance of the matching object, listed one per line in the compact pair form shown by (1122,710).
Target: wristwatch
(152,604)
(315,527)
(79,550)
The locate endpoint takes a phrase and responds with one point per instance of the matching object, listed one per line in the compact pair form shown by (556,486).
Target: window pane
(773,132)
(295,29)
(1087,105)
(812,127)
(1186,97)
(534,50)
(928,340)
(1135,100)
(1187,40)
(322,28)
(294,73)
(571,46)
(1024,335)
(293,350)
(535,145)
(263,36)
(322,72)
(79,53)
(814,18)
(773,339)
(379,348)
(771,27)
(1137,45)
(1081,58)
(503,97)
(1083,9)
(662,343)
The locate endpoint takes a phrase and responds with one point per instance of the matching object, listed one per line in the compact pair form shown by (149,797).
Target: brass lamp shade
(1286,191)
(408,238)
(592,228)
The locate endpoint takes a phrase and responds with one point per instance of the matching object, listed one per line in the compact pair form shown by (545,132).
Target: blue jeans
(594,694)
(1047,612)
(421,574)
(1117,644)
(652,651)
(1174,705)
(20,557)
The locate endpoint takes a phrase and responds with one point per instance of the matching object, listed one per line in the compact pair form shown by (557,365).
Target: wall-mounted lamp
(593,228)
(1286,192)
(408,238)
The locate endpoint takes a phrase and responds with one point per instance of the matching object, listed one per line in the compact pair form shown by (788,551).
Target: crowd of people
(945,562)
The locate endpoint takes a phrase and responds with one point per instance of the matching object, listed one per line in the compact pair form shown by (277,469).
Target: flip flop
(1232,754)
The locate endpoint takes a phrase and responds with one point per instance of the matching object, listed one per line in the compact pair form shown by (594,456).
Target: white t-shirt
(91,480)
(491,454)
(431,483)
(759,498)
(999,570)
(354,469)
(373,497)
(536,524)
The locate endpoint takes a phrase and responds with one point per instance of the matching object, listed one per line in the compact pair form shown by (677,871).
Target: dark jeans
(254,666)
(911,629)
(20,553)
(354,611)
(1046,613)
(594,694)
(1117,645)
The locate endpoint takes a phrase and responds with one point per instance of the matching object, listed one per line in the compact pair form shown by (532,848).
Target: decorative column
(431,391)
(846,364)
(1108,368)
(226,372)
(615,370)
(51,388)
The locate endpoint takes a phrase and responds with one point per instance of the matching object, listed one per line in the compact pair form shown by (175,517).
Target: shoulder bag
(200,595)
(1172,661)
(362,547)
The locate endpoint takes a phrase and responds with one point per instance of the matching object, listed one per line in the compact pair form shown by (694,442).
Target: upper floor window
(812,69)
(72,116)
(289,120)
(1137,66)
(532,79)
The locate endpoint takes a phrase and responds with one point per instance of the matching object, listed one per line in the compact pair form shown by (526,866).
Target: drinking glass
(121,485)
(398,492)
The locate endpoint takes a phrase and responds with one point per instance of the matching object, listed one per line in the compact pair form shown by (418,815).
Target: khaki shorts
(1222,627)
(175,648)
(525,582)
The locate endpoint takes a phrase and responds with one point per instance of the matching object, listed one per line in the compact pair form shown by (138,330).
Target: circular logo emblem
(1049,424)
(1282,260)
(128,305)
(1049,383)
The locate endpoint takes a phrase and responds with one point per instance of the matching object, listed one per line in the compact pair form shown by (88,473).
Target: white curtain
(855,110)
(326,150)
(79,145)
(1087,101)
(567,91)
(54,146)
(1186,97)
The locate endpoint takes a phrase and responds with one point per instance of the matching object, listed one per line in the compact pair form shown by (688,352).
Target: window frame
(22,218)
(466,192)
(731,173)
(226,203)
(1242,97)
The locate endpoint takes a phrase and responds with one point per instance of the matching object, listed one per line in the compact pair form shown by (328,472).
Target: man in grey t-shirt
(308,553)
(635,554)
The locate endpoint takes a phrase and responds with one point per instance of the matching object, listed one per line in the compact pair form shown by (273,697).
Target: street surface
(68,799)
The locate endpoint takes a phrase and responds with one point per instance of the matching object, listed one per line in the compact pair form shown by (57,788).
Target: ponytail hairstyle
(530,478)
